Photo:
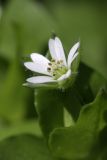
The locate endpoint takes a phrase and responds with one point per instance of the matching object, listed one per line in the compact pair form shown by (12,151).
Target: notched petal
(73,53)
(60,51)
(52,48)
(39,58)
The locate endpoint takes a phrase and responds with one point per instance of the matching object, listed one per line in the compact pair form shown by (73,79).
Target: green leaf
(24,147)
(103,144)
(79,141)
(49,108)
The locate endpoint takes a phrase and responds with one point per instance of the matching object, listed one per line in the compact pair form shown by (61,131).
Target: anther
(50,64)
(58,62)
(48,69)
(54,74)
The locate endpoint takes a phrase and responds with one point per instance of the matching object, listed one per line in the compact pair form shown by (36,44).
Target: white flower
(56,70)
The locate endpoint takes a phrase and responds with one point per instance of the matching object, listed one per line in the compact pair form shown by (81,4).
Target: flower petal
(56,50)
(40,79)
(75,55)
(60,51)
(65,76)
(37,67)
(38,58)
(72,54)
(52,49)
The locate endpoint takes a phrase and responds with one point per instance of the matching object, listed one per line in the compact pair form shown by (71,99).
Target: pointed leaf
(78,141)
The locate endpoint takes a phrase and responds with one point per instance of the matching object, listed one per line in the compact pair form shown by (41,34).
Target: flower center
(56,68)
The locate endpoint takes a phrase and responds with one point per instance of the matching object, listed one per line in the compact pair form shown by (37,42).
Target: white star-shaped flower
(54,71)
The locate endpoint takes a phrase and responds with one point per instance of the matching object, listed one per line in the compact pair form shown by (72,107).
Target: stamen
(54,74)
(58,62)
(48,69)
(56,68)
(50,64)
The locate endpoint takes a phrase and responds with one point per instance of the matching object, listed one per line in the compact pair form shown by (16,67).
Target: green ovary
(59,72)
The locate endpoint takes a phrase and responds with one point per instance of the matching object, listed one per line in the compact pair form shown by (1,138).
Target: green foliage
(50,109)
(27,127)
(24,147)
(81,140)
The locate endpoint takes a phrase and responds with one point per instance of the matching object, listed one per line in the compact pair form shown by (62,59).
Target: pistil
(56,68)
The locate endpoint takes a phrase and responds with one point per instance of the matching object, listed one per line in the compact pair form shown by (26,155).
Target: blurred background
(25,27)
